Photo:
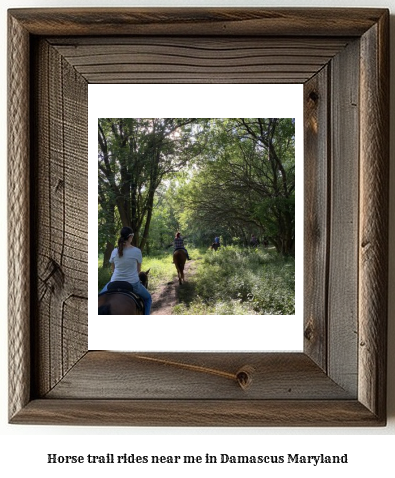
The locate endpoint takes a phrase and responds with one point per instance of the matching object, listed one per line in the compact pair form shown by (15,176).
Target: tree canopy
(230,177)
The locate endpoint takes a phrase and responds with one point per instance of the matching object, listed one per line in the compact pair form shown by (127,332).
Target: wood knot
(308,332)
(366,245)
(244,376)
(59,185)
(313,96)
(54,275)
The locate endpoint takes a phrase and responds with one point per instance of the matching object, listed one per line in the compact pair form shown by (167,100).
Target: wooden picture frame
(342,58)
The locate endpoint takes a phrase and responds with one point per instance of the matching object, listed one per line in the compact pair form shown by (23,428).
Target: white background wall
(24,449)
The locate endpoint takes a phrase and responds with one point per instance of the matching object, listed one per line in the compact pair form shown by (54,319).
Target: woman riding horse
(179,244)
(126,262)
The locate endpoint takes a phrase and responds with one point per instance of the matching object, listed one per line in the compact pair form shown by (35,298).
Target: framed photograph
(341,59)
(211,188)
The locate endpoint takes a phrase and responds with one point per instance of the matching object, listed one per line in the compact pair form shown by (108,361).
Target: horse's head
(143,276)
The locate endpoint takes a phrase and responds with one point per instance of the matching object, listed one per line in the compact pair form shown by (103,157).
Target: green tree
(135,155)
(246,181)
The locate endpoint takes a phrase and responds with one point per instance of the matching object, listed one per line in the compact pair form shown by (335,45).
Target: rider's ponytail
(126,232)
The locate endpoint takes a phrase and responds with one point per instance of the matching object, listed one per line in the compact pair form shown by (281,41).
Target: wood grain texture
(373,234)
(18,217)
(202,413)
(92,388)
(316,214)
(191,59)
(61,203)
(343,225)
(259,22)
(196,376)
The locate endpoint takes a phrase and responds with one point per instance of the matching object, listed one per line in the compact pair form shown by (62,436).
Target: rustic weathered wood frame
(341,56)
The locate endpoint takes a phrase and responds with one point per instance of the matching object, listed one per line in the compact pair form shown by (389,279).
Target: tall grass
(231,281)
(243,281)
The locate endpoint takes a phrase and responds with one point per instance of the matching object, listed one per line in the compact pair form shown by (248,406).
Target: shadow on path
(169,295)
(186,293)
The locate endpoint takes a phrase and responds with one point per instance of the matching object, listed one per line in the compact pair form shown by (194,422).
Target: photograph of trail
(222,191)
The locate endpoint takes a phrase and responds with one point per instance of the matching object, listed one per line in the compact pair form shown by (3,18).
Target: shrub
(244,281)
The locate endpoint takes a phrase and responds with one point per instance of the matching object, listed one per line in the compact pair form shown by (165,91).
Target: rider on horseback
(253,241)
(179,244)
(126,264)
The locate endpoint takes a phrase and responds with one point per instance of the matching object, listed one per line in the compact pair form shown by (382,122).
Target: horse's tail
(104,310)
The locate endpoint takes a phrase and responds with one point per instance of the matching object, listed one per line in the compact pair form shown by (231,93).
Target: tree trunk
(107,254)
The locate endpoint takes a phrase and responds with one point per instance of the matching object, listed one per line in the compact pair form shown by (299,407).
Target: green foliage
(245,182)
(135,156)
(243,281)
(104,276)
(231,281)
(231,177)
(161,269)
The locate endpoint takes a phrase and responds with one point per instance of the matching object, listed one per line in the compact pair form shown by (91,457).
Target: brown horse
(179,258)
(120,300)
(215,246)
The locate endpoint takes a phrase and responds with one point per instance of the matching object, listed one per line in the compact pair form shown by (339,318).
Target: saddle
(180,249)
(123,287)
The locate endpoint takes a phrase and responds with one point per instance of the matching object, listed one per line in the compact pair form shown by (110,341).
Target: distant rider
(179,244)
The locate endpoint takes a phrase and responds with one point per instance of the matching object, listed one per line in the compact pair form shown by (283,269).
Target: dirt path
(171,294)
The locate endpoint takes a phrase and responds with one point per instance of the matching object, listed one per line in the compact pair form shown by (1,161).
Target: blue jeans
(104,288)
(140,290)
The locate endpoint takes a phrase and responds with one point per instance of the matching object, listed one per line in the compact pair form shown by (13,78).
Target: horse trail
(165,298)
